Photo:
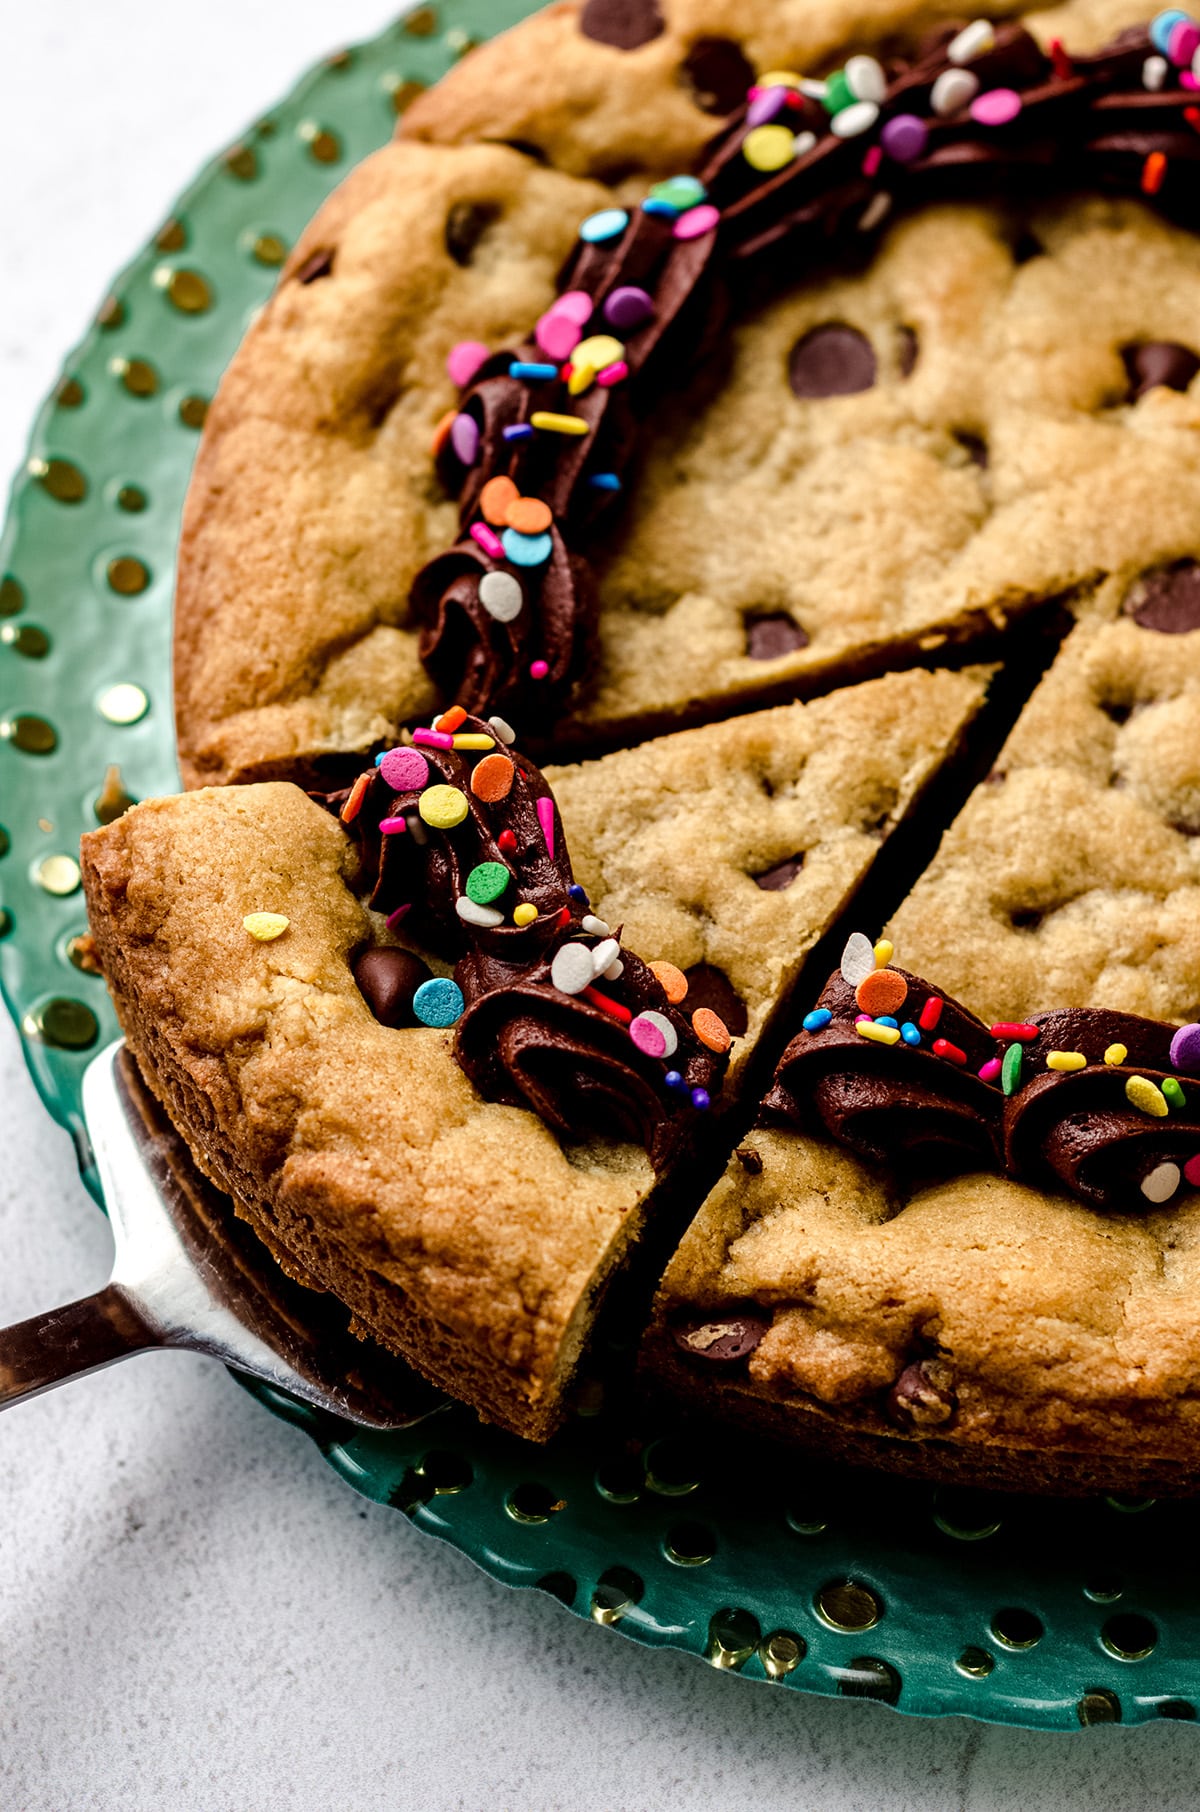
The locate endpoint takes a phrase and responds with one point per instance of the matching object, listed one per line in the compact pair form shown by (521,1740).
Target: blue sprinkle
(885,1019)
(576,892)
(700,1100)
(604,481)
(673,1079)
(607,224)
(657,204)
(380,756)
(526,550)
(438,1002)
(519,431)
(530,368)
(909,1033)
(1162,25)
(818,1018)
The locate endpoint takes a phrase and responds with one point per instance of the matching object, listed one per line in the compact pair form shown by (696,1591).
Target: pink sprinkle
(862,1018)
(1191,1171)
(872,161)
(648,1037)
(1183,42)
(464,360)
(538,669)
(488,539)
(612,374)
(405,770)
(557,335)
(392,827)
(394,918)
(545,813)
(1188,80)
(696,222)
(575,304)
(996,108)
(990,1070)
(433,739)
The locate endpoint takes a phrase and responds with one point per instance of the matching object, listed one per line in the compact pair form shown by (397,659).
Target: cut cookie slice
(461,1231)
(1031,1324)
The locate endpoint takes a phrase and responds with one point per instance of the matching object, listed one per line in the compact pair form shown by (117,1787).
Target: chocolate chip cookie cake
(737,410)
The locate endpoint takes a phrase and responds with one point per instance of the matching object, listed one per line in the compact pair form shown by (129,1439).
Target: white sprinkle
(477,915)
(876,210)
(1161,1183)
(858,959)
(606,951)
(501,596)
(615,971)
(663,1025)
(972,41)
(503,732)
(854,120)
(571,970)
(865,79)
(1154,73)
(953,90)
(804,142)
(597,927)
(816,91)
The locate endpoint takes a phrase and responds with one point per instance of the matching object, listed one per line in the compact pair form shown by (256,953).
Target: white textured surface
(194,1612)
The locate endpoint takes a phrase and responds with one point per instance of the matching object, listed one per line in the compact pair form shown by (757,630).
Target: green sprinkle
(1010,1070)
(838,93)
(1173,1090)
(487,882)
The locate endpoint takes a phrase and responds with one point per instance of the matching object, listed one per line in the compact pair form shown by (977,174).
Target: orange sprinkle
(492,778)
(441,433)
(1154,171)
(528,515)
(495,498)
(674,981)
(449,721)
(710,1029)
(358,793)
(883,991)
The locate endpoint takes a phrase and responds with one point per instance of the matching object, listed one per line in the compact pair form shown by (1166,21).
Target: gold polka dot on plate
(57,874)
(193,410)
(69,394)
(12,596)
(123,704)
(322,144)
(63,1022)
(62,480)
(171,236)
(186,290)
(421,22)
(112,314)
(402,93)
(241,162)
(269,249)
(32,735)
(127,575)
(26,639)
(131,497)
(138,375)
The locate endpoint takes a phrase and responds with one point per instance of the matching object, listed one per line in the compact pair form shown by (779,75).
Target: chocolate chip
(1026,918)
(774,880)
(724,1336)
(769,637)
(709,986)
(716,71)
(833,360)
(317,264)
(625,24)
(466,223)
(922,1396)
(749,1160)
(972,444)
(1027,247)
(1168,600)
(388,979)
(1155,362)
(908,349)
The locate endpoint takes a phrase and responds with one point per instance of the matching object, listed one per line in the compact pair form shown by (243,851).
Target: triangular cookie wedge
(462,1232)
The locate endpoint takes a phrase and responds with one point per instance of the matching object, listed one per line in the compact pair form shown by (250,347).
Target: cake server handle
(80,1337)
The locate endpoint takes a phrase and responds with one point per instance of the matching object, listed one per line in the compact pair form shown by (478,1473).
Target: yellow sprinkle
(598,350)
(769,147)
(778,78)
(524,914)
(1116,1053)
(1065,1060)
(442,806)
(474,740)
(265,925)
(582,377)
(884,951)
(1147,1097)
(551,423)
(867,1028)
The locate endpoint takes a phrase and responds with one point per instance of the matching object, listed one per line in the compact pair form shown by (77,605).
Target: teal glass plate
(1049,1615)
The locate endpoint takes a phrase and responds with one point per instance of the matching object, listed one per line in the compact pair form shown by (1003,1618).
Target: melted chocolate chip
(724,1336)
(769,637)
(466,223)
(317,264)
(1026,918)
(625,24)
(1168,601)
(716,71)
(921,1396)
(710,987)
(388,979)
(1027,247)
(749,1160)
(833,360)
(1158,362)
(972,444)
(909,348)
(774,880)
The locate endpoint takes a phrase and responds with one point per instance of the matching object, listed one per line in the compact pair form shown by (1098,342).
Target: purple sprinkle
(904,138)
(767,104)
(464,438)
(1185,1048)
(628,307)
(700,1100)
(519,431)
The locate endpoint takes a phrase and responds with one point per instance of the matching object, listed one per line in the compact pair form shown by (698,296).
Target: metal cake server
(187,1273)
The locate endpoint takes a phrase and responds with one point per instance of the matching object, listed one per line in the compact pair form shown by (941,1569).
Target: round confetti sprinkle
(1160,1184)
(953,90)
(858,959)
(472,914)
(769,147)
(710,1029)
(487,882)
(998,107)
(526,550)
(501,594)
(123,704)
(571,970)
(492,779)
(883,991)
(654,1035)
(1185,1049)
(576,304)
(464,360)
(443,806)
(557,335)
(904,137)
(1191,1171)
(673,981)
(495,498)
(866,79)
(438,1002)
(404,770)
(265,926)
(1183,43)
(1163,24)
(628,306)
(464,438)
(1147,1097)
(524,914)
(696,222)
(854,120)
(528,515)
(597,229)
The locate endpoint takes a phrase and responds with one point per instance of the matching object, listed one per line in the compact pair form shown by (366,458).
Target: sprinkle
(909,1033)
(866,1028)
(538,669)
(557,335)
(526,550)
(545,817)
(1191,1171)
(972,41)
(1154,172)
(438,1002)
(1010,1069)
(998,107)
(943,1048)
(1143,1094)
(576,304)
(504,732)
(628,306)
(886,1019)
(769,147)
(265,926)
(1160,1184)
(598,350)
(604,953)
(854,120)
(450,720)
(953,90)
(571,969)
(416,829)
(1185,1048)
(487,539)
(612,374)
(817,1020)
(877,209)
(930,1013)
(1173,1093)
(766,105)
(784,78)
(904,137)
(524,914)
(528,515)
(1183,42)
(654,1034)
(518,431)
(989,1071)
(443,807)
(400,912)
(865,78)
(605,481)
(1116,1053)
(597,927)
(1006,1029)
(463,361)
(404,770)
(358,793)
(487,882)
(1154,73)
(393,827)
(711,1029)
(578,894)
(607,224)
(1063,66)
(1163,24)
(871,162)
(464,438)
(615,970)
(679,192)
(862,1019)
(485,916)
(701,1100)
(885,950)
(492,778)
(1065,1060)
(501,594)
(674,1080)
(881,992)
(608,1005)
(838,94)
(805,142)
(858,959)
(550,423)
(433,739)
(696,222)
(532,370)
(673,981)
